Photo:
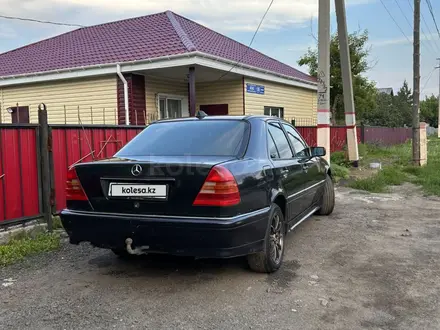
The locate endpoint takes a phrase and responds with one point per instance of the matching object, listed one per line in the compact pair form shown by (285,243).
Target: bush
(339,158)
(339,172)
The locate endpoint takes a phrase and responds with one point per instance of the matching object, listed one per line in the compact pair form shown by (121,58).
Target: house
(137,70)
(387,90)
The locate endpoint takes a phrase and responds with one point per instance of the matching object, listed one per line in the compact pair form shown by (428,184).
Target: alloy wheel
(276,239)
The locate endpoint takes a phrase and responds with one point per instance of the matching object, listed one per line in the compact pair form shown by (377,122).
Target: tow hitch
(137,251)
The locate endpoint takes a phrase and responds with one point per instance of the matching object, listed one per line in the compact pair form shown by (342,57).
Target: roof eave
(189,58)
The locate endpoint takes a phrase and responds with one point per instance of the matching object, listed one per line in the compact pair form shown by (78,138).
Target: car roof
(225,117)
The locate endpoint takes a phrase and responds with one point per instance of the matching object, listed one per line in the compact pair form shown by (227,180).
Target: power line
(428,2)
(411,26)
(250,44)
(40,21)
(395,22)
(427,26)
(427,81)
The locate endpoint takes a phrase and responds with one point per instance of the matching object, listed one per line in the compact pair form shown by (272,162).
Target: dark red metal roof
(140,38)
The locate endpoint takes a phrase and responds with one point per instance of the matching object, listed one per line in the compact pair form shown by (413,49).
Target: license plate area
(142,191)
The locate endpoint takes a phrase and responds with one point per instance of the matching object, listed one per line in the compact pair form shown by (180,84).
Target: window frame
(269,134)
(280,109)
(166,97)
(301,139)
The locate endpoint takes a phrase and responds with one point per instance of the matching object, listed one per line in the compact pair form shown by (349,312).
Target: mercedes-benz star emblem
(136,170)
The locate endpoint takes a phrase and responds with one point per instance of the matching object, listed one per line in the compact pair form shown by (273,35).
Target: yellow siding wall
(221,92)
(155,86)
(91,95)
(297,102)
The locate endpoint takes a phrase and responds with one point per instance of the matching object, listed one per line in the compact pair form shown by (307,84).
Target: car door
(288,171)
(312,172)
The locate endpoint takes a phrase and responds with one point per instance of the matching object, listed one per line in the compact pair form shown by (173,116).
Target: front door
(215,109)
(312,174)
(288,171)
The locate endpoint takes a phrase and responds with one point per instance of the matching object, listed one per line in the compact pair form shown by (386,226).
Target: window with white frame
(274,111)
(172,106)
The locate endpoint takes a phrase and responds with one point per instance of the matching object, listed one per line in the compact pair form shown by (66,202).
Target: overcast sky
(285,34)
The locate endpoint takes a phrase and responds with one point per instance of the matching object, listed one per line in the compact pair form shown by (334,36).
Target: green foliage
(400,169)
(23,244)
(339,172)
(391,110)
(429,110)
(339,158)
(378,183)
(56,223)
(363,89)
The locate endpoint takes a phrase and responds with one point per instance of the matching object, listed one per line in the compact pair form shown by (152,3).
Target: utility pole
(416,76)
(438,118)
(324,77)
(347,83)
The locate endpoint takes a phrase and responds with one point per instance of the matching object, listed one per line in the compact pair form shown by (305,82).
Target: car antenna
(201,114)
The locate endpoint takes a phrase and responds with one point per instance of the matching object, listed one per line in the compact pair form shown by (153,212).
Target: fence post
(362,132)
(45,145)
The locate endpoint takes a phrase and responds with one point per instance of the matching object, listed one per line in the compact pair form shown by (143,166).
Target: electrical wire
(431,49)
(395,22)
(250,44)
(427,81)
(428,2)
(40,21)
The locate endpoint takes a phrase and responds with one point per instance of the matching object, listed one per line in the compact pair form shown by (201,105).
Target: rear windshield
(192,138)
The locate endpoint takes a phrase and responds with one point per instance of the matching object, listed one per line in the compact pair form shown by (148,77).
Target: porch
(178,92)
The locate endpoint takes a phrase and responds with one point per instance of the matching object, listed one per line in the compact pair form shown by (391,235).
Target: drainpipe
(124,81)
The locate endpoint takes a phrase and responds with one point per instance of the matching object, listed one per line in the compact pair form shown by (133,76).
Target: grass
(397,167)
(24,244)
(340,172)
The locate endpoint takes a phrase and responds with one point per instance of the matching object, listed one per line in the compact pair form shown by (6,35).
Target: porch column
(192,91)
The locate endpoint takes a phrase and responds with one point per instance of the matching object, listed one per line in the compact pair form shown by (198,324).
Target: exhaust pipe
(137,251)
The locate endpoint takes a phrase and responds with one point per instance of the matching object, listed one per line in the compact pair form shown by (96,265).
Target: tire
(328,198)
(270,259)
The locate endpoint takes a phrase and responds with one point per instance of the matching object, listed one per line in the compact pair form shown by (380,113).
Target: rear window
(189,138)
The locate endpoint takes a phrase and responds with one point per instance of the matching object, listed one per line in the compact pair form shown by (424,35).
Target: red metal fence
(20,170)
(19,173)
(386,136)
(338,136)
(75,143)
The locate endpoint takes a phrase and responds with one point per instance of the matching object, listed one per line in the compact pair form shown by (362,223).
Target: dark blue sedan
(208,187)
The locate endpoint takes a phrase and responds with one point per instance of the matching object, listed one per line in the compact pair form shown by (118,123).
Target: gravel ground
(373,264)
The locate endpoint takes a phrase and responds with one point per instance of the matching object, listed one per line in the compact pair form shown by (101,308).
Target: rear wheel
(328,198)
(270,259)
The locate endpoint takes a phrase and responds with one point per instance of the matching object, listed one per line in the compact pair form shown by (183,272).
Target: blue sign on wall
(256,89)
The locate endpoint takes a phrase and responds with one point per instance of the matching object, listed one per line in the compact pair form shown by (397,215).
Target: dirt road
(374,264)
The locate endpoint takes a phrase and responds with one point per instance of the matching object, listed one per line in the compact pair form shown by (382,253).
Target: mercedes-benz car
(207,187)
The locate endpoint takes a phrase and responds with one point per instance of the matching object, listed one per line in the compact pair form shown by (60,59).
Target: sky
(288,30)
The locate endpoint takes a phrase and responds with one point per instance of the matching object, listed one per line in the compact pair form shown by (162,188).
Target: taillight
(219,189)
(74,191)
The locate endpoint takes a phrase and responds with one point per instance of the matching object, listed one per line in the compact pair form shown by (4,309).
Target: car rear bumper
(186,236)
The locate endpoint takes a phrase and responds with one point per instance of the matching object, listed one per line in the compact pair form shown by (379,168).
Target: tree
(363,89)
(429,110)
(404,103)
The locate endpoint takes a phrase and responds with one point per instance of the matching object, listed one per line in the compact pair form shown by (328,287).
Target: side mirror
(317,151)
